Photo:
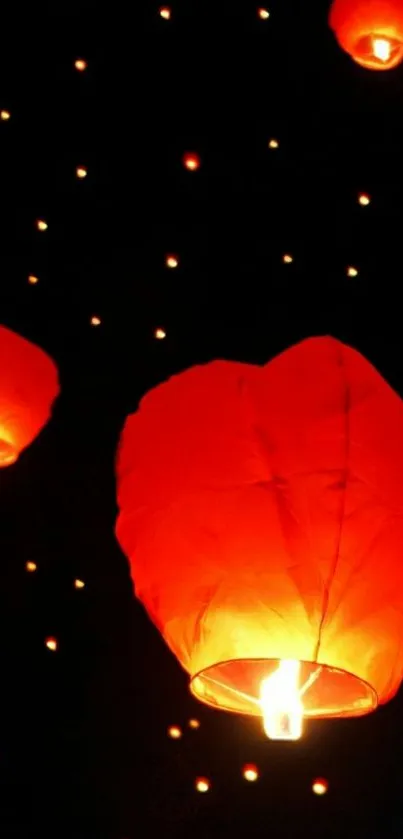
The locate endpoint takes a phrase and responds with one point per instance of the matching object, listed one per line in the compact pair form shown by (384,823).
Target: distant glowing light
(160,334)
(80,64)
(33,280)
(81,172)
(41,225)
(79,584)
(264,14)
(364,199)
(51,644)
(31,566)
(171,261)
(287,259)
(281,703)
(165,12)
(174,732)
(202,784)
(320,786)
(95,321)
(191,161)
(351,271)
(5,115)
(250,772)
(274,144)
(382,49)
(194,724)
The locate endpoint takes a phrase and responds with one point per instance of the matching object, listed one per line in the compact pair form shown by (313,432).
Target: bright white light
(281,704)
(382,49)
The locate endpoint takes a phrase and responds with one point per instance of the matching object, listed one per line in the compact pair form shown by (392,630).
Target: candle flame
(382,49)
(280,700)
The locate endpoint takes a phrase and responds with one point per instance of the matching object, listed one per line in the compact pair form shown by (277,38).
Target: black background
(83,745)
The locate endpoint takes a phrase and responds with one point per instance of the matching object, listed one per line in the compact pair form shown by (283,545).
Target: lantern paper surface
(371,31)
(28,387)
(261,509)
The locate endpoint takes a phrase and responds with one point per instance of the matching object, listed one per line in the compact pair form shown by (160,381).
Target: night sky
(84,751)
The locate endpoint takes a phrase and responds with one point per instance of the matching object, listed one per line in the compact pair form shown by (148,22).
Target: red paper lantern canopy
(261,510)
(371,31)
(28,387)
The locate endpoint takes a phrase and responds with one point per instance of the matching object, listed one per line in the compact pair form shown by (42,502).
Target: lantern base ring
(8,454)
(327,691)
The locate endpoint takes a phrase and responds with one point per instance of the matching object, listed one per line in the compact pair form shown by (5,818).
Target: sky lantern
(191,161)
(261,511)
(371,31)
(320,786)
(28,387)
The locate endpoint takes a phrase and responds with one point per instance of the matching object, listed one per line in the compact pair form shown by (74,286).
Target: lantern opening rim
(354,696)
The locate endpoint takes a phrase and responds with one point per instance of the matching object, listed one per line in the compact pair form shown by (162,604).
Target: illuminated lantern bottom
(318,691)
(377,52)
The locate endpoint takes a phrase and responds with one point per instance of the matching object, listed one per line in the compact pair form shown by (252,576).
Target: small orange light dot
(80,64)
(33,280)
(287,258)
(95,321)
(202,784)
(364,199)
(41,224)
(5,115)
(264,14)
(352,272)
(191,161)
(160,334)
(194,724)
(51,644)
(79,584)
(165,12)
(250,772)
(175,732)
(274,144)
(31,566)
(81,172)
(171,261)
(320,786)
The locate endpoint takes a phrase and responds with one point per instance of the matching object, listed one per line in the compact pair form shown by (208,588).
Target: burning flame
(280,700)
(382,49)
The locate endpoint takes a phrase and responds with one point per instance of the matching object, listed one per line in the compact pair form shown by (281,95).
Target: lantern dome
(28,387)
(371,31)
(261,511)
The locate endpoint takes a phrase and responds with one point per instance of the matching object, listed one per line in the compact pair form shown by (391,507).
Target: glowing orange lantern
(202,784)
(165,12)
(260,509)
(191,161)
(80,65)
(371,31)
(174,732)
(320,786)
(28,387)
(31,566)
(250,772)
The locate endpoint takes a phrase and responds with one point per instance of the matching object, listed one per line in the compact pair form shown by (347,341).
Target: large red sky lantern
(371,31)
(28,387)
(261,509)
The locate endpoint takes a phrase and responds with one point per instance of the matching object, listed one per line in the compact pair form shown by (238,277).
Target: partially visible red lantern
(261,509)
(28,387)
(371,31)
